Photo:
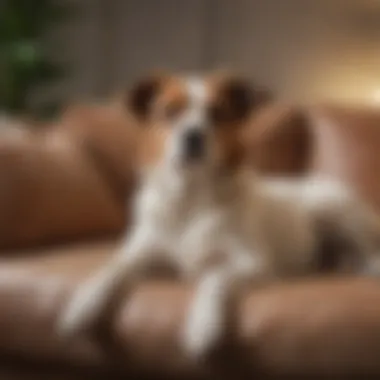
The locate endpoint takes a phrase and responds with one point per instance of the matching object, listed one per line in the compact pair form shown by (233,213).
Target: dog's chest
(176,213)
(191,226)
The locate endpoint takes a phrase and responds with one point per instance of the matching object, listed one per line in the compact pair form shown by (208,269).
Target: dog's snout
(194,141)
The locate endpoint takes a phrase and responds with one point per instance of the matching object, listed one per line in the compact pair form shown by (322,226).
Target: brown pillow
(50,190)
(346,145)
(278,140)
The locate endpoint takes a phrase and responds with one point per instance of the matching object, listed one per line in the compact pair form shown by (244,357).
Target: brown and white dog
(201,212)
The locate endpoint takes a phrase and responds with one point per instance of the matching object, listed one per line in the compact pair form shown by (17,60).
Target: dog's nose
(194,143)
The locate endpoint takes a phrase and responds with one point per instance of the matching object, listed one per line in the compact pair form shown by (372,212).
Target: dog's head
(193,124)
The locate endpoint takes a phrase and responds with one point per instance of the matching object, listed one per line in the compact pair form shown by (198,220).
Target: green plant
(24,64)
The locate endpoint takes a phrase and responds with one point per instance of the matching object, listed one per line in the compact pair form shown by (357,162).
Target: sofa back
(72,180)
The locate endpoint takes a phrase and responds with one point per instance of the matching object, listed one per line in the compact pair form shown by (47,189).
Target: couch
(64,201)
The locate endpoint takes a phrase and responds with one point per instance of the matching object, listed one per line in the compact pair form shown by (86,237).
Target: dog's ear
(239,98)
(142,95)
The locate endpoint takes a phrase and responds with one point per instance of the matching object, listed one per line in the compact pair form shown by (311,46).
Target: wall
(306,50)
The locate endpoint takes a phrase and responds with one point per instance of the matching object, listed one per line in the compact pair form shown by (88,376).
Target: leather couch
(64,193)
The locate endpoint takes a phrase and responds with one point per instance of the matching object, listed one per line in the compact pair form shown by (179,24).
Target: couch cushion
(320,326)
(108,135)
(346,145)
(50,191)
(277,140)
(33,284)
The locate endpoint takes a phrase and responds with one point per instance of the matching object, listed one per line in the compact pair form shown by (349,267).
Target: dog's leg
(372,266)
(215,294)
(369,245)
(356,231)
(360,245)
(93,297)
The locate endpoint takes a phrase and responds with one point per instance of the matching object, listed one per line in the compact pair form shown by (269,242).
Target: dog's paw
(79,315)
(204,330)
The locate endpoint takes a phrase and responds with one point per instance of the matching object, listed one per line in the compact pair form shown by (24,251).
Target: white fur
(220,234)
(252,230)
(193,117)
(197,90)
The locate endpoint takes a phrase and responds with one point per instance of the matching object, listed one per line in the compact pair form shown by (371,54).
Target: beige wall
(304,49)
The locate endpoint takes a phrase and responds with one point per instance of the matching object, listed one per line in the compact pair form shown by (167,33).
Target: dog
(218,224)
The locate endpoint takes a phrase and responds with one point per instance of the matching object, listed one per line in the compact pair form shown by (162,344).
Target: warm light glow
(376,97)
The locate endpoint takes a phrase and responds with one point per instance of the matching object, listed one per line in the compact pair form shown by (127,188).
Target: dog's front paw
(80,314)
(204,330)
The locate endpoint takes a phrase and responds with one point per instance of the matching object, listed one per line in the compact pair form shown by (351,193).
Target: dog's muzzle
(194,145)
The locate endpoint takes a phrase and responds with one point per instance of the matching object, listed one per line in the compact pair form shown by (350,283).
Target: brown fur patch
(152,145)
(171,101)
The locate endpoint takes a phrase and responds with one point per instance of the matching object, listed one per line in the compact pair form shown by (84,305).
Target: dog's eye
(217,114)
